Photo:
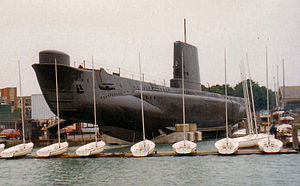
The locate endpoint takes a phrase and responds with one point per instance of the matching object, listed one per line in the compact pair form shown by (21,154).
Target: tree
(259,93)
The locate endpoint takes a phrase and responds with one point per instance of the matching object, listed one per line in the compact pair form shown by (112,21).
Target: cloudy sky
(114,32)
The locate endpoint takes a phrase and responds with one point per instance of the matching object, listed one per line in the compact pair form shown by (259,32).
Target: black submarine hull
(119,104)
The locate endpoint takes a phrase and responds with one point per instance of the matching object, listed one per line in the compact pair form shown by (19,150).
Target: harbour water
(280,169)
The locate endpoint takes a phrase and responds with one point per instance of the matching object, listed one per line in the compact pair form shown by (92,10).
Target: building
(26,106)
(290,98)
(8,96)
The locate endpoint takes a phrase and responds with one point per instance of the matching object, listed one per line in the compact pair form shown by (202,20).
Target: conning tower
(49,56)
(190,66)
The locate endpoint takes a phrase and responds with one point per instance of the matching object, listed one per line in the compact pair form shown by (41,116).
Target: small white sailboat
(59,148)
(286,119)
(285,130)
(251,140)
(2,147)
(269,145)
(24,148)
(97,146)
(226,145)
(17,151)
(53,150)
(145,147)
(90,149)
(185,146)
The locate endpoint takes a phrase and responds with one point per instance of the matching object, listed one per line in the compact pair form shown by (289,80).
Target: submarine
(118,99)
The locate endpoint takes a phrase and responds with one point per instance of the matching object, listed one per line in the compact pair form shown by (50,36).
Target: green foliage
(259,93)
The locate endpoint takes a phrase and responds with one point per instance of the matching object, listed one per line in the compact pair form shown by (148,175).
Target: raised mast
(183,107)
(226,109)
(283,84)
(275,92)
(94,96)
(277,87)
(267,79)
(184,30)
(246,95)
(57,103)
(252,98)
(22,110)
(142,101)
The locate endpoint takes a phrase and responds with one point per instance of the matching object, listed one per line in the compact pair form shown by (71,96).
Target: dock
(170,153)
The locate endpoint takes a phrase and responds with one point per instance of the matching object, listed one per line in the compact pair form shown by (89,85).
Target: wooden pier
(160,154)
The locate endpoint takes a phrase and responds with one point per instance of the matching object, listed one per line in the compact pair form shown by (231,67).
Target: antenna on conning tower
(184,30)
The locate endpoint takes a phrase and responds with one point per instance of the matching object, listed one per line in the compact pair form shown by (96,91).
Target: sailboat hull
(227,146)
(270,145)
(17,151)
(142,148)
(184,147)
(91,149)
(251,140)
(55,149)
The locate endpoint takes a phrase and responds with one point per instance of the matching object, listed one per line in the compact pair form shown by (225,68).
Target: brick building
(8,96)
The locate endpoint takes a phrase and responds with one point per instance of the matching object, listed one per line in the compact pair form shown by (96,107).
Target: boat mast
(182,84)
(283,83)
(277,88)
(243,78)
(275,92)
(22,110)
(94,96)
(268,109)
(248,102)
(183,107)
(252,98)
(142,101)
(57,103)
(184,30)
(226,109)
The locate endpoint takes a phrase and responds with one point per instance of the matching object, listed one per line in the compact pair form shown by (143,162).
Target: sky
(115,32)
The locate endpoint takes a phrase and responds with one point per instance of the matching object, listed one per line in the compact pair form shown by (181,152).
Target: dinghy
(59,148)
(286,119)
(145,147)
(93,147)
(269,145)
(251,140)
(55,149)
(18,150)
(2,147)
(185,146)
(285,130)
(24,148)
(226,145)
